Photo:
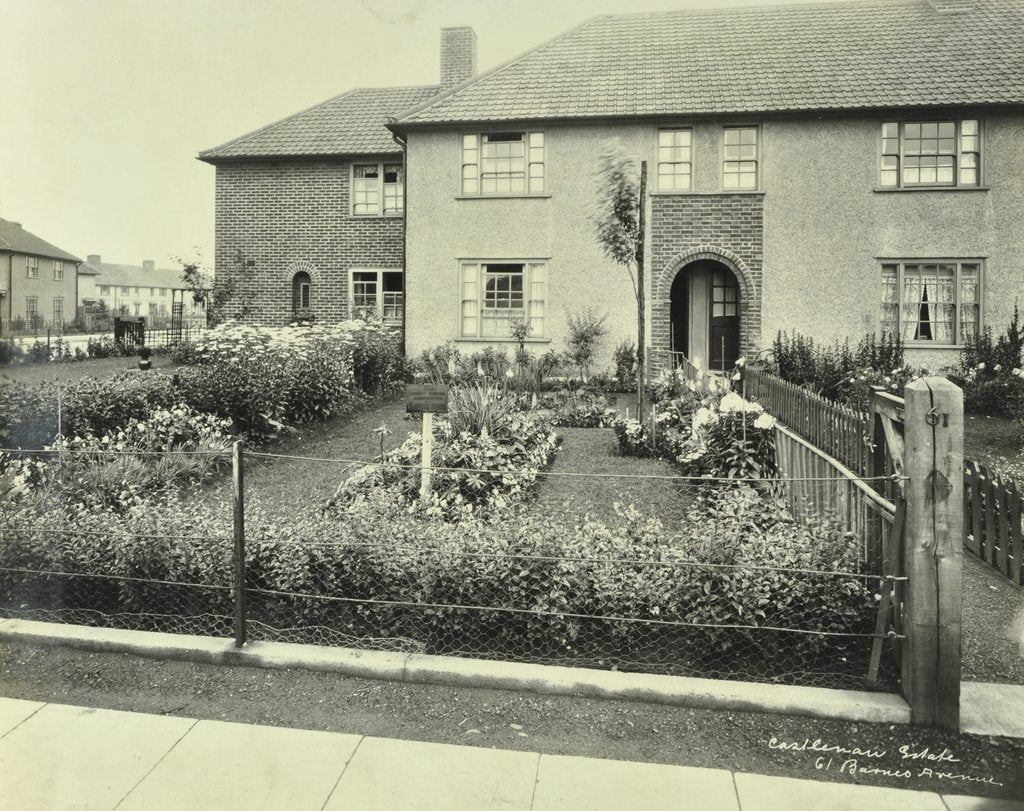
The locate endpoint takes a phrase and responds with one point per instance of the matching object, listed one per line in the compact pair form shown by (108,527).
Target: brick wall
(728,228)
(275,219)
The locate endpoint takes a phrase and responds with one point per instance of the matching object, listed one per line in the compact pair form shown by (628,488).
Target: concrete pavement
(54,756)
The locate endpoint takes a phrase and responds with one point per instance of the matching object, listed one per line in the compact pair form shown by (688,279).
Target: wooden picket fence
(838,430)
(993,510)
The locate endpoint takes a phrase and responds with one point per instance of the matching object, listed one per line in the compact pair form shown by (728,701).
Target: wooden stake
(428,448)
(933,550)
(238,492)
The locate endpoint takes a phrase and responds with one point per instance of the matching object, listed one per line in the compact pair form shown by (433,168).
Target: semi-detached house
(833,169)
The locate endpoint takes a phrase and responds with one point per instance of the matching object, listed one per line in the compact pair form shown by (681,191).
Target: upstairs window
(31,267)
(675,160)
(930,153)
(377,188)
(739,159)
(937,302)
(104,289)
(503,163)
(495,295)
(58,270)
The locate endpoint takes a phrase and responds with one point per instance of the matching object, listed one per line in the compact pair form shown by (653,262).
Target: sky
(105,103)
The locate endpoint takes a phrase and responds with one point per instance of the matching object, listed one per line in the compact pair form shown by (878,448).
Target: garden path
(595,451)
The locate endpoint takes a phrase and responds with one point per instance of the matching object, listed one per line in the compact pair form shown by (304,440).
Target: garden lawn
(283,486)
(993,441)
(32,373)
(609,479)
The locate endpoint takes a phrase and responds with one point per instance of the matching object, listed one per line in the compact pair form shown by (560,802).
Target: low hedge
(709,574)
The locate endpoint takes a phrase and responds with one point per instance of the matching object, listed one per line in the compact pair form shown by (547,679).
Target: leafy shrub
(105,347)
(581,409)
(625,359)
(989,371)
(586,329)
(10,352)
(488,453)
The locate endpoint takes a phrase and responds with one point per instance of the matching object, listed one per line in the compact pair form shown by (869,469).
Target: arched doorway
(704,310)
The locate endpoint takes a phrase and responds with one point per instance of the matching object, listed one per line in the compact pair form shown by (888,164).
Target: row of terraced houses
(834,169)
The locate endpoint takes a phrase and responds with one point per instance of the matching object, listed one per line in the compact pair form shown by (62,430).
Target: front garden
(671,552)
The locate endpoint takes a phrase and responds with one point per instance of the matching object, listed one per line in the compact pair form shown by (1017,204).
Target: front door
(724,332)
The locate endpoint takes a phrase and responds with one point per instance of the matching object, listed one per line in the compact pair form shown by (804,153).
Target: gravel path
(993,625)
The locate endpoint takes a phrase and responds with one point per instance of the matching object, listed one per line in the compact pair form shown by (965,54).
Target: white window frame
(377,198)
(965,150)
(896,269)
(58,311)
(31,267)
(473,277)
(674,154)
(31,307)
(739,159)
(389,305)
(474,163)
(58,270)
(104,289)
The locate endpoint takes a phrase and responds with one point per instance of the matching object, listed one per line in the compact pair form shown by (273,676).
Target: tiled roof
(15,238)
(848,55)
(134,276)
(349,124)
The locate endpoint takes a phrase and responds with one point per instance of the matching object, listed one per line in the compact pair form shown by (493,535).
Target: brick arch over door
(750,299)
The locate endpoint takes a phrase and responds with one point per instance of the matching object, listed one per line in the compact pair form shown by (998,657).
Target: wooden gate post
(933,550)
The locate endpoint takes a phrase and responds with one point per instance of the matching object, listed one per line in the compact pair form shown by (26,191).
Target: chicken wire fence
(653,573)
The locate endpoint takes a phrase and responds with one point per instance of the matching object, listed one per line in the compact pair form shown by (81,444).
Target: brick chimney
(148,265)
(458,56)
(951,6)
(94,259)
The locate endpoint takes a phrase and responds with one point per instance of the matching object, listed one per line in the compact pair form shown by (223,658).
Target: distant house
(309,210)
(140,290)
(38,281)
(831,168)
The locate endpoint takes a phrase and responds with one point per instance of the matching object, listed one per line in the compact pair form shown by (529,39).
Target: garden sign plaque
(426,399)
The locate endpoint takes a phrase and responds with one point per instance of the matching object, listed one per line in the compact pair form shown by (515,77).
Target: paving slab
(958,802)
(76,757)
(414,776)
(15,710)
(758,792)
(243,766)
(591,784)
(992,709)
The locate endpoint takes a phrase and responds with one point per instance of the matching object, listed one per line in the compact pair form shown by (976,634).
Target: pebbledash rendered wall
(806,246)
(275,219)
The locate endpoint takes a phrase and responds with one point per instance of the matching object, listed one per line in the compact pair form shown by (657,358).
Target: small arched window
(300,291)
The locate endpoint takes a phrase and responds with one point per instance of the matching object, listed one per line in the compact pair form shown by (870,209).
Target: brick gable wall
(688,227)
(293,216)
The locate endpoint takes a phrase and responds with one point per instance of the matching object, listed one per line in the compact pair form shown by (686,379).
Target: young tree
(619,219)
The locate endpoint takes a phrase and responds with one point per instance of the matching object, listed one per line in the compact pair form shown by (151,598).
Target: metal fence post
(238,490)
(933,550)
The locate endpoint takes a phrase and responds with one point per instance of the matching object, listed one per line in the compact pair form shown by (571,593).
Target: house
(38,281)
(833,169)
(134,290)
(309,210)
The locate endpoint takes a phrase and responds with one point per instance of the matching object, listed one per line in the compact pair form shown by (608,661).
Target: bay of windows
(495,295)
(503,163)
(937,302)
(930,153)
